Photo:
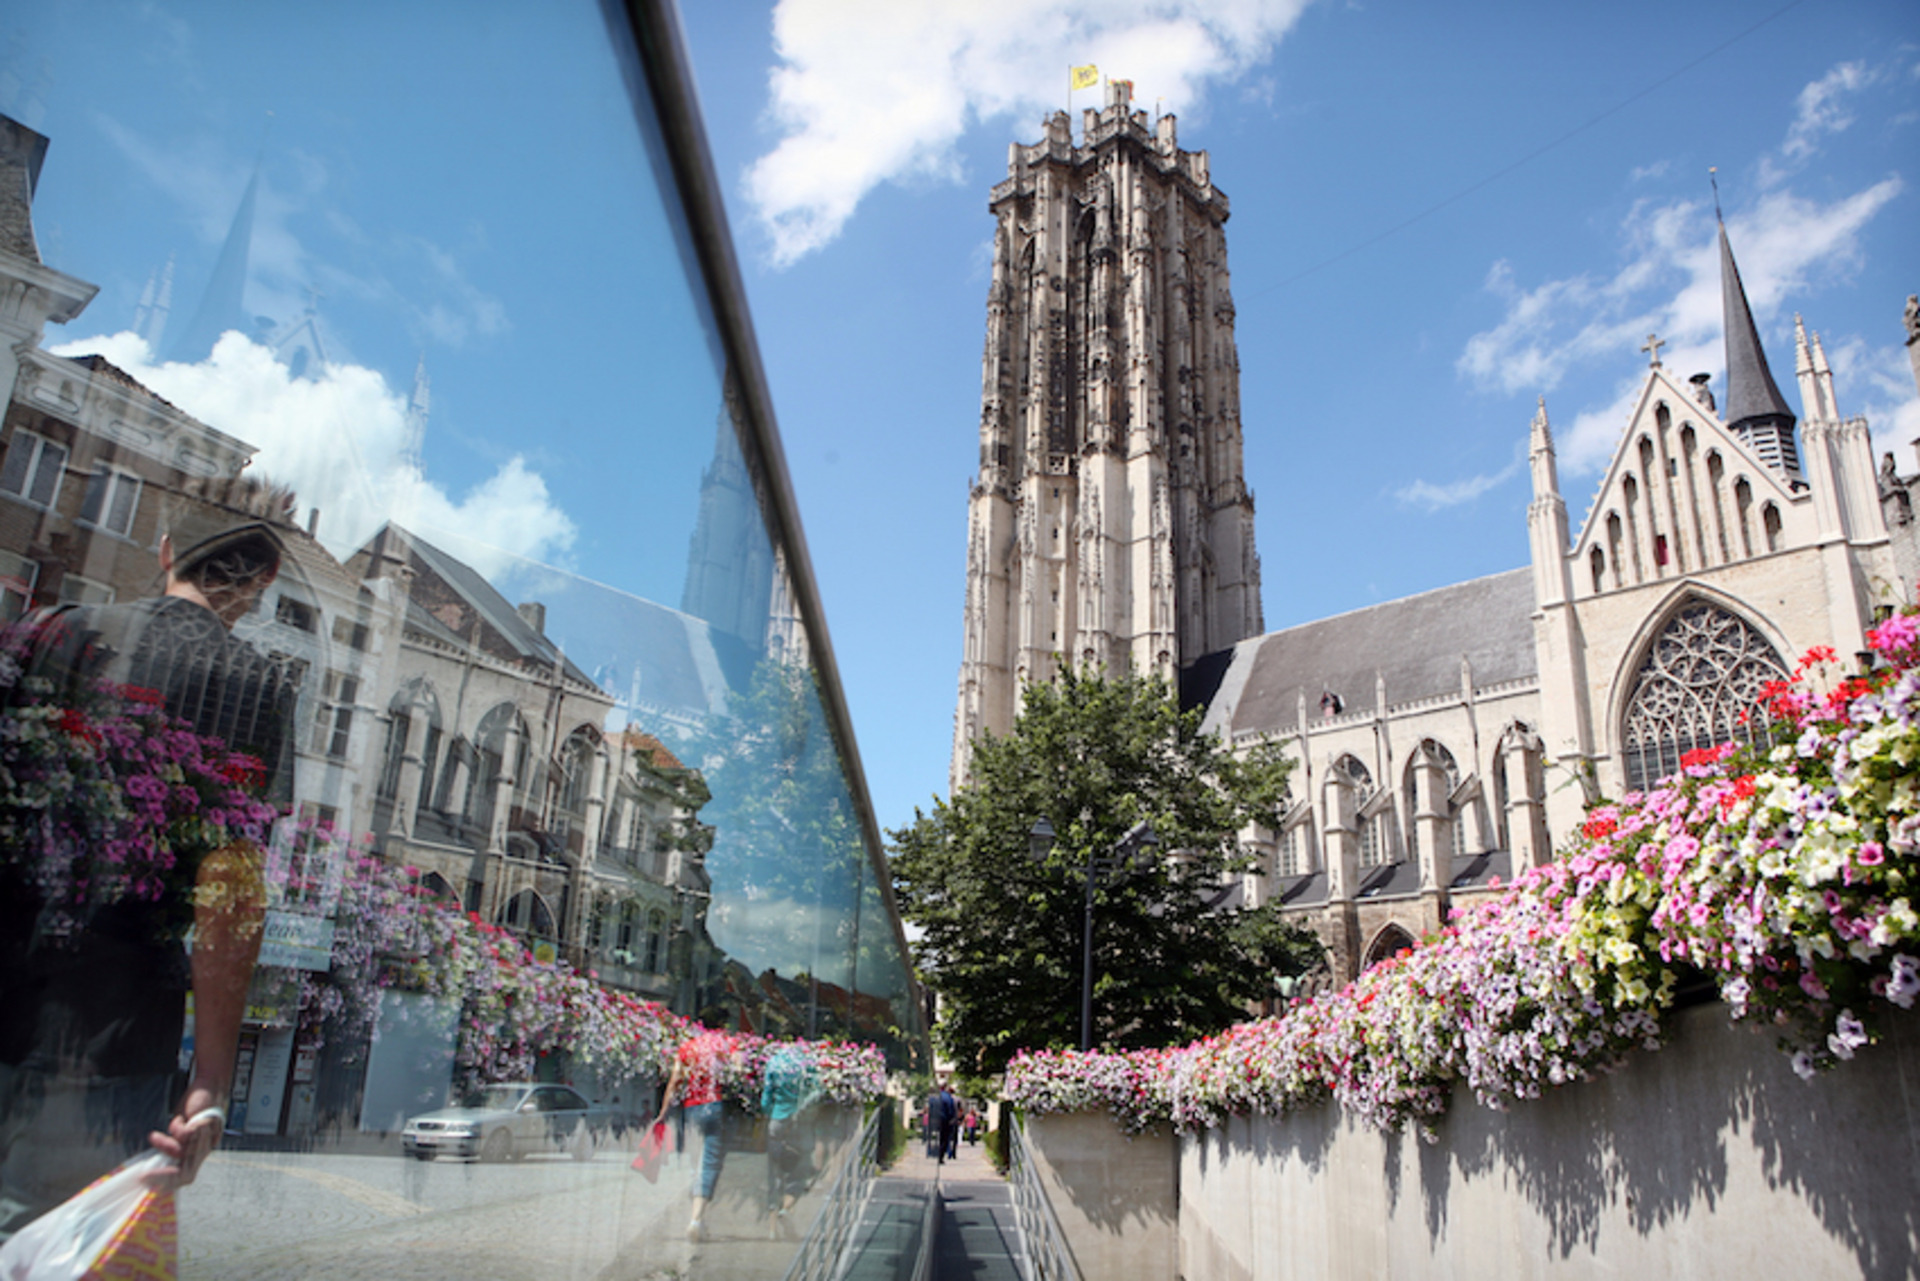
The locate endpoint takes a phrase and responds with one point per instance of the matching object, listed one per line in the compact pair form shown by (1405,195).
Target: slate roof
(1751,392)
(621,643)
(113,373)
(1415,643)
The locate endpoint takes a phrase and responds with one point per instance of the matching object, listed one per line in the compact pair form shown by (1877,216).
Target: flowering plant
(106,798)
(1783,873)
(516,1010)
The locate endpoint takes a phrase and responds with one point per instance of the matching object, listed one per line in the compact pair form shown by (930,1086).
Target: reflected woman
(695,1082)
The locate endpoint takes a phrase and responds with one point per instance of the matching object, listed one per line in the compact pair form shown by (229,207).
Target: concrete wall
(1708,1159)
(1117,1199)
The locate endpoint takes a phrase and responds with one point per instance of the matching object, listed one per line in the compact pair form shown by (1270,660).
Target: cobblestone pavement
(298,1215)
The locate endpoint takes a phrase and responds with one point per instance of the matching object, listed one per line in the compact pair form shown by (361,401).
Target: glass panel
(498,709)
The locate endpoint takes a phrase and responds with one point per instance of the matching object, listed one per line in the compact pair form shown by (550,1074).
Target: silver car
(503,1123)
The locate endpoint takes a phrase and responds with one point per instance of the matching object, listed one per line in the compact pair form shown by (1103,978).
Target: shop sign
(297,942)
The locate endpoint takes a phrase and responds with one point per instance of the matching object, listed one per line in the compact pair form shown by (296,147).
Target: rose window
(1698,687)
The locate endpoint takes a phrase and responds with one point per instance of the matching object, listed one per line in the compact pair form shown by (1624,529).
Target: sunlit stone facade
(1110,523)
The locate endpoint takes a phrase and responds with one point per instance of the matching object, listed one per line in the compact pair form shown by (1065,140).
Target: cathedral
(1440,742)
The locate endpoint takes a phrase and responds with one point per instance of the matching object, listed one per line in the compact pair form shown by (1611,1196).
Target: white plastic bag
(116,1216)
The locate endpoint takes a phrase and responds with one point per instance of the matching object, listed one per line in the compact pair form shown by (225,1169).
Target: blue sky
(1440,213)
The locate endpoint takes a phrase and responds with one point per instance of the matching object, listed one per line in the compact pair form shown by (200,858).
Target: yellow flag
(1084,77)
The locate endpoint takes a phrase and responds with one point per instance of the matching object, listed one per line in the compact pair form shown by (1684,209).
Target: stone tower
(1110,524)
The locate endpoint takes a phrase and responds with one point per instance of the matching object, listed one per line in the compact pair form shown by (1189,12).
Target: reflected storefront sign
(556,757)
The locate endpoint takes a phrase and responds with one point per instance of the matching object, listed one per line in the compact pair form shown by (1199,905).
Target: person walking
(790,1083)
(947,1109)
(695,1083)
(94,972)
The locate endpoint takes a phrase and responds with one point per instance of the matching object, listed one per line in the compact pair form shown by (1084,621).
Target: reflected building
(654,795)
(507,779)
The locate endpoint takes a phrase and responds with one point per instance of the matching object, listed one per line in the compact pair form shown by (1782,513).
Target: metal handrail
(821,1256)
(1048,1257)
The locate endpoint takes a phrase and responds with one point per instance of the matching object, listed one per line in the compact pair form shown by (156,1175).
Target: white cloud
(1669,284)
(874,91)
(341,440)
(1822,109)
(1433,497)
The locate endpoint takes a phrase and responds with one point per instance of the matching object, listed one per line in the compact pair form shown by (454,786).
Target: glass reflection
(551,749)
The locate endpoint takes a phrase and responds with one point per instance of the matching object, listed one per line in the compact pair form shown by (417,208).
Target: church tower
(1110,523)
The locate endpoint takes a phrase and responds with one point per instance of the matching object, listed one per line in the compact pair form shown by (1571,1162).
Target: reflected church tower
(1110,524)
(736,579)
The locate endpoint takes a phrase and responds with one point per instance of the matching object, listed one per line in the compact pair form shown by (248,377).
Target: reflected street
(333,1215)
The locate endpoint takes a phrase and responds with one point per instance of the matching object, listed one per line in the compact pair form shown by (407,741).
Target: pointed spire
(1546,472)
(156,302)
(222,306)
(418,406)
(1751,392)
(1756,412)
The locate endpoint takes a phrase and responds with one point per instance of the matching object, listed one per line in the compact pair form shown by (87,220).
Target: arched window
(1389,942)
(1430,753)
(1291,857)
(1369,817)
(1598,560)
(528,912)
(1699,681)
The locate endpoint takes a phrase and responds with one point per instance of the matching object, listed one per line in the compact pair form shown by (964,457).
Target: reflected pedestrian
(789,1085)
(156,702)
(695,1082)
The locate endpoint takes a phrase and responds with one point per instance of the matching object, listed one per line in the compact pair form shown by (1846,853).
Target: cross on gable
(1654,344)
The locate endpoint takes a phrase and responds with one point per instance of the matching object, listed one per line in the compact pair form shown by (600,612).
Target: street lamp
(1128,848)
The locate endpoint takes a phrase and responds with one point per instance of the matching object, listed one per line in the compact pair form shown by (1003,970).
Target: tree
(1001,934)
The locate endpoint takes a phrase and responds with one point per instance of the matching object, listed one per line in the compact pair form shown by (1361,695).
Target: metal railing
(1048,1257)
(822,1255)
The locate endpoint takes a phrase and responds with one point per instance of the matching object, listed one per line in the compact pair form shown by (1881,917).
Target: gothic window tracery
(1696,687)
(1369,820)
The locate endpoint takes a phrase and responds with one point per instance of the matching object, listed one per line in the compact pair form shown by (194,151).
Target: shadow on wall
(1648,1144)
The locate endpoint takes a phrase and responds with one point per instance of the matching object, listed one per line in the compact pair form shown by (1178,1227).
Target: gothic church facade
(1441,742)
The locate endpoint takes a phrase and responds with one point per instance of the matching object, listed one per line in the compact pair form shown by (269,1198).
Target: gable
(1682,492)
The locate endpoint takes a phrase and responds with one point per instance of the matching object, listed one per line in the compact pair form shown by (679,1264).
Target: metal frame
(652,55)
(1048,1256)
(823,1255)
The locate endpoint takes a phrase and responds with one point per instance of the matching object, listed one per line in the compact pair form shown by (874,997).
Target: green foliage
(1001,934)
(995,1142)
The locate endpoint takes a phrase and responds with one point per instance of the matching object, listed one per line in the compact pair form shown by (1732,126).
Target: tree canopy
(1001,933)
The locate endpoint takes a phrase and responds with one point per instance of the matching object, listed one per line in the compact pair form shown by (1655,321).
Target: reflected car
(504,1123)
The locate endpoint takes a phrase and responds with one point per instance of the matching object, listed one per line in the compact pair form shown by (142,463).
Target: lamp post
(1039,845)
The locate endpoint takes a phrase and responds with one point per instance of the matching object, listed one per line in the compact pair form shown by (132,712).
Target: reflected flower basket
(109,799)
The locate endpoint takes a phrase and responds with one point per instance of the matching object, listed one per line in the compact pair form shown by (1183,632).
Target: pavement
(976,1238)
(384,1217)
